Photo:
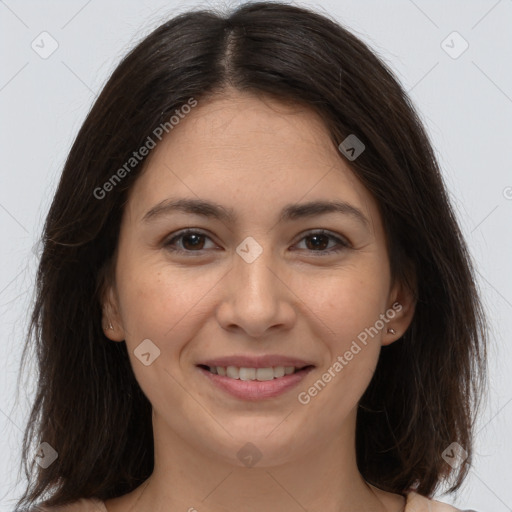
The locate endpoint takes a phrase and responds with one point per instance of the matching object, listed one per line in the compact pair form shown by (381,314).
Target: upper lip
(265,361)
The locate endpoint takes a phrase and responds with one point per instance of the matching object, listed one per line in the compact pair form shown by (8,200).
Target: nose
(256,297)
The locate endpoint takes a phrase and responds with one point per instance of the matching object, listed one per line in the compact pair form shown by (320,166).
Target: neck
(324,478)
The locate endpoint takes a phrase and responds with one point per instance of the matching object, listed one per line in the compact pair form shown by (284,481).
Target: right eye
(191,241)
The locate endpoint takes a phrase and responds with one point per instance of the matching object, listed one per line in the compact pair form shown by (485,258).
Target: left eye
(193,241)
(321,239)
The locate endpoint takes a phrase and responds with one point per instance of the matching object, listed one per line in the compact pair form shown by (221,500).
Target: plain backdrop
(461,84)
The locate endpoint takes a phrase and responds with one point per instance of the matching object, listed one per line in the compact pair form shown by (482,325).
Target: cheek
(161,303)
(161,307)
(349,308)
(151,305)
(347,302)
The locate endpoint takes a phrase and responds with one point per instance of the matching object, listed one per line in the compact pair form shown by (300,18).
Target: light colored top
(414,503)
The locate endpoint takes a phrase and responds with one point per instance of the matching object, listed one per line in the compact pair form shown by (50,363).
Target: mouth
(252,384)
(254,374)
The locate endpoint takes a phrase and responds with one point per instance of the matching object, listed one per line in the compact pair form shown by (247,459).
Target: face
(259,275)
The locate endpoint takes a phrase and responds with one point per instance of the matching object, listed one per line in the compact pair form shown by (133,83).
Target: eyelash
(343,245)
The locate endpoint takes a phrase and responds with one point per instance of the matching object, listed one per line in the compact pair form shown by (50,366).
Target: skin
(254,155)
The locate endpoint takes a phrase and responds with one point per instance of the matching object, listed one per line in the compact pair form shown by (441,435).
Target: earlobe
(111,321)
(401,313)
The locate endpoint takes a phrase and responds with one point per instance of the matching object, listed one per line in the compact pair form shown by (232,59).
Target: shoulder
(418,503)
(81,505)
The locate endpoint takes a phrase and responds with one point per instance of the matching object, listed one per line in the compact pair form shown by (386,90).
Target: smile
(254,383)
(260,374)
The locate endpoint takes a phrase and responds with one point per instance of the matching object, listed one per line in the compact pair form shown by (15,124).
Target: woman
(253,292)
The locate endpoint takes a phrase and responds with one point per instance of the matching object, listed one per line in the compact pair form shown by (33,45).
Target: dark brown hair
(427,386)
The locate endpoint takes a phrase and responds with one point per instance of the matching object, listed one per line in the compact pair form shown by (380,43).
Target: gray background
(465,102)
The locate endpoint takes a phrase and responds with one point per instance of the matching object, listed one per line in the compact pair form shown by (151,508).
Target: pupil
(193,245)
(316,245)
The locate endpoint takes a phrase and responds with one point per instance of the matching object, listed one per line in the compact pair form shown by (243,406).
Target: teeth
(260,374)
(247,373)
(264,374)
(232,372)
(279,371)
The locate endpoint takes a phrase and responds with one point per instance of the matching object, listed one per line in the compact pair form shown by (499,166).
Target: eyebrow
(216,211)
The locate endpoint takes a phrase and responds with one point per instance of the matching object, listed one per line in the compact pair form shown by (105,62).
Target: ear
(400,312)
(111,319)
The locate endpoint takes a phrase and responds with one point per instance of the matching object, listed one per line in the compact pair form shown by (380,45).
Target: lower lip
(255,389)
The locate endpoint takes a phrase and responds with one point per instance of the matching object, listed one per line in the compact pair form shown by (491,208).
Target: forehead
(249,151)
